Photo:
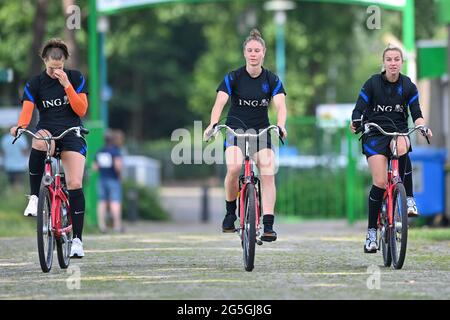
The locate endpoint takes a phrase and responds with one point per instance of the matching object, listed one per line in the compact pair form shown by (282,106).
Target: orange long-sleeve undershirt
(26,114)
(78,102)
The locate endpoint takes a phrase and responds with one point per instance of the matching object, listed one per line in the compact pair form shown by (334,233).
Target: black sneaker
(269,234)
(228,223)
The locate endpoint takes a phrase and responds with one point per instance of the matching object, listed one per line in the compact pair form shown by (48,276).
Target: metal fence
(322,173)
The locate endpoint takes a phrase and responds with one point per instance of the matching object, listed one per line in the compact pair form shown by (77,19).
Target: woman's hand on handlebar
(13,131)
(283,132)
(208,131)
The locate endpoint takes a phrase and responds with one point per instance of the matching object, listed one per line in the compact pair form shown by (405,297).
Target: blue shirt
(105,160)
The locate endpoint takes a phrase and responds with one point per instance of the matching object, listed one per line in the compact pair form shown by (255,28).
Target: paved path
(311,260)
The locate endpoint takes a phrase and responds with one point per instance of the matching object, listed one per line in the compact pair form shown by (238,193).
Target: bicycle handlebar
(78,131)
(217,128)
(367,126)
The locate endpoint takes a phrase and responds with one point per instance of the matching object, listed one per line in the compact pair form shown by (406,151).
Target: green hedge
(146,201)
(318,192)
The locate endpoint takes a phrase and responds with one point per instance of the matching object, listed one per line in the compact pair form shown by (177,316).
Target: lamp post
(280,7)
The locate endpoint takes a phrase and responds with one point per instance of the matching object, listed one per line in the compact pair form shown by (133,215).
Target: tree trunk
(39,24)
(40,20)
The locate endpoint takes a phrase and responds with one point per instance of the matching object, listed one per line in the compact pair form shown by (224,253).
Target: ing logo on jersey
(253,103)
(265,87)
(55,102)
(400,90)
(396,108)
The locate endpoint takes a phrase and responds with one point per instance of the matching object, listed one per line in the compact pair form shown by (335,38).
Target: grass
(13,223)
(431,234)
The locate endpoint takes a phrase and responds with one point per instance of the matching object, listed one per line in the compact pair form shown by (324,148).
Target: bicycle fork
(244,180)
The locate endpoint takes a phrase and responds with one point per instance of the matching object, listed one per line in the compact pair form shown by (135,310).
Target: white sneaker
(31,209)
(412,207)
(77,249)
(371,245)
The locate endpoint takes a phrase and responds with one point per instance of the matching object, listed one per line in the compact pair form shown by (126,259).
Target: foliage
(165,61)
(144,200)
(13,202)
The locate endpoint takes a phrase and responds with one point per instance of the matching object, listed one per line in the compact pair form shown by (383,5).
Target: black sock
(36,170)
(268,220)
(407,181)
(76,200)
(231,207)
(375,200)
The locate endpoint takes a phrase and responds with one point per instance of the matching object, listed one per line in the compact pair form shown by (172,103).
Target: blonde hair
(255,35)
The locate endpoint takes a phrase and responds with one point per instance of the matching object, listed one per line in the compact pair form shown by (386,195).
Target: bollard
(132,213)
(205,207)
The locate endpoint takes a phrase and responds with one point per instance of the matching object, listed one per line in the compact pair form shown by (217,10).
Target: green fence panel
(324,180)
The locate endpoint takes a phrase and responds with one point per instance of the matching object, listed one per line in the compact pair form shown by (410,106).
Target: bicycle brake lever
(17,135)
(423,132)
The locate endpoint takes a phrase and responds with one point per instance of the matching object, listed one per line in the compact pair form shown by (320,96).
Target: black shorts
(377,144)
(255,145)
(70,142)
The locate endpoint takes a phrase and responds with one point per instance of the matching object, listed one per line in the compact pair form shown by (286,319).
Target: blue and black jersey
(51,99)
(250,97)
(388,103)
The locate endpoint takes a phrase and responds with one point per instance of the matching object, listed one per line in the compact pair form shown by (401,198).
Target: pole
(409,39)
(280,20)
(93,62)
(350,179)
(96,127)
(447,138)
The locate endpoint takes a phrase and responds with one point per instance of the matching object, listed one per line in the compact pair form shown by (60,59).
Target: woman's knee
(74,184)
(380,182)
(233,170)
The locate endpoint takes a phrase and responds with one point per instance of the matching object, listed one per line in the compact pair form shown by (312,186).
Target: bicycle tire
(249,232)
(400,227)
(45,237)
(63,248)
(384,234)
(386,247)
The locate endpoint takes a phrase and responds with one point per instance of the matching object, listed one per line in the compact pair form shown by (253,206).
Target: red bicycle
(249,197)
(54,222)
(393,217)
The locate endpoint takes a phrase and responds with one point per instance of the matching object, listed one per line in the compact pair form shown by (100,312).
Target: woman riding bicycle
(61,98)
(385,99)
(251,88)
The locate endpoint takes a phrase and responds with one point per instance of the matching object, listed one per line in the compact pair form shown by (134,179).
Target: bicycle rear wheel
(249,232)
(399,231)
(45,237)
(64,243)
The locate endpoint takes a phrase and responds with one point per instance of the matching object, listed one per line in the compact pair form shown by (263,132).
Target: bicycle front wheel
(384,236)
(45,238)
(64,243)
(249,232)
(399,231)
